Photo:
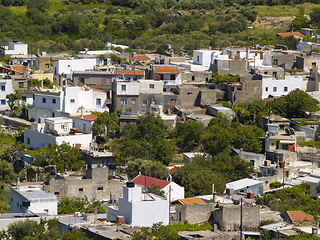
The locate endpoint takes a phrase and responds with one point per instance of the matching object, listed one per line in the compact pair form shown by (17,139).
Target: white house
(65,68)
(187,157)
(245,185)
(280,87)
(169,74)
(67,101)
(16,48)
(32,199)
(84,122)
(140,209)
(5,89)
(49,131)
(177,192)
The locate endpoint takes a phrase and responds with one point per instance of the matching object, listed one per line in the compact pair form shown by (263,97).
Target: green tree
(153,169)
(295,104)
(315,17)
(7,174)
(106,125)
(188,135)
(76,204)
(65,157)
(12,101)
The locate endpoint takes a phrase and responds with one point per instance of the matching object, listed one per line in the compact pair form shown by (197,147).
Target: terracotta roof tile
(299,216)
(19,69)
(189,201)
(140,180)
(288,34)
(173,169)
(98,90)
(166,69)
(141,57)
(89,117)
(130,72)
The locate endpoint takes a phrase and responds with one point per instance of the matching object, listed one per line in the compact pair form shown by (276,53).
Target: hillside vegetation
(71,25)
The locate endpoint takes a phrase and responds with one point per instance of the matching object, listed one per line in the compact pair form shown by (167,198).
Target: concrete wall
(228,217)
(196,213)
(188,96)
(82,124)
(196,76)
(146,99)
(85,187)
(14,122)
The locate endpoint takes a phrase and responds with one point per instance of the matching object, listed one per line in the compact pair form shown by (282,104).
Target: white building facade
(140,209)
(65,68)
(67,101)
(5,89)
(280,87)
(17,48)
(32,199)
(55,130)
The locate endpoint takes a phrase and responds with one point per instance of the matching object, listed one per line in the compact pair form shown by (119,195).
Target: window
(44,100)
(100,188)
(274,89)
(123,101)
(3,102)
(275,61)
(285,89)
(266,73)
(3,88)
(11,199)
(56,193)
(72,101)
(46,210)
(314,64)
(62,126)
(84,127)
(172,77)
(144,103)
(274,74)
(81,81)
(46,66)
(123,87)
(189,93)
(53,115)
(133,100)
(80,189)
(98,102)
(198,59)
(54,100)
(28,140)
(151,86)
(266,89)
(193,78)
(21,84)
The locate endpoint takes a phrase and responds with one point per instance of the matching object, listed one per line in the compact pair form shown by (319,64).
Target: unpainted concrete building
(95,185)
(228,217)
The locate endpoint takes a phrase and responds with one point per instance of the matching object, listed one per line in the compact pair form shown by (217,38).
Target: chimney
(81,108)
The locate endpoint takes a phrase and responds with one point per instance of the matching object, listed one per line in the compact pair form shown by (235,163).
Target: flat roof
(35,193)
(242,183)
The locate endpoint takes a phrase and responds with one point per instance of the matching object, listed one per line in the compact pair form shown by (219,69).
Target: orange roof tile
(98,90)
(299,216)
(173,169)
(130,72)
(189,201)
(19,69)
(89,117)
(166,69)
(288,34)
(141,57)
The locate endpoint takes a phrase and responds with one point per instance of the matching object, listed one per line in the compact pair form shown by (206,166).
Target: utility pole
(241,219)
(284,163)
(169,200)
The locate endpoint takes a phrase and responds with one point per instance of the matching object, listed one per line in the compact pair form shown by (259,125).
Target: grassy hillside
(71,25)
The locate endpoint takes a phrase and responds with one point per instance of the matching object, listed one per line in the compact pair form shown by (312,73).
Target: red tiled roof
(173,169)
(130,72)
(166,69)
(140,180)
(141,57)
(98,90)
(299,216)
(288,34)
(19,69)
(189,201)
(89,117)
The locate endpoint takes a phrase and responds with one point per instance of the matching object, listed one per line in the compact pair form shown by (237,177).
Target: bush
(274,185)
